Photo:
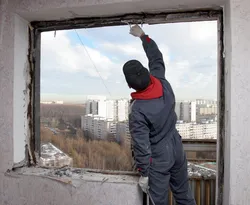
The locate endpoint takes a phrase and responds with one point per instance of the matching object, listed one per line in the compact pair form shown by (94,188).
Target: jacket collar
(154,90)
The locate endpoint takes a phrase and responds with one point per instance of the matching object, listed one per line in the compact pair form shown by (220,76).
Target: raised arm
(155,58)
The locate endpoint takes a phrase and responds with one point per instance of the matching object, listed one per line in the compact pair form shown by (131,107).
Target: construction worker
(158,149)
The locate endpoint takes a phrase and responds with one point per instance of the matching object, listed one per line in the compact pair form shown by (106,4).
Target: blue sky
(68,74)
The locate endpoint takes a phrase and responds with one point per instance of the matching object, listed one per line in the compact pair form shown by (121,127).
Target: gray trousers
(169,169)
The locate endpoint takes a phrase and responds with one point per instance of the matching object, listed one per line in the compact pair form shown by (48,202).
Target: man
(158,149)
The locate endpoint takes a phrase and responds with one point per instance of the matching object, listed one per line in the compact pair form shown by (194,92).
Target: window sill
(75,175)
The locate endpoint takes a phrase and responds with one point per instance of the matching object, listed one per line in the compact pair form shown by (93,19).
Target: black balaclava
(137,76)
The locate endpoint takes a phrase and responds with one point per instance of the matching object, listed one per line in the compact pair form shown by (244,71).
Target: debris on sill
(75,176)
(91,175)
(197,171)
(194,171)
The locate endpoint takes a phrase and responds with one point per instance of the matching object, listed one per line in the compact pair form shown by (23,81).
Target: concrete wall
(237,150)
(20,92)
(23,189)
(26,188)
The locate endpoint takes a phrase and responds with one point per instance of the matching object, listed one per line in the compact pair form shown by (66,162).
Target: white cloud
(189,54)
(179,73)
(203,31)
(133,50)
(59,54)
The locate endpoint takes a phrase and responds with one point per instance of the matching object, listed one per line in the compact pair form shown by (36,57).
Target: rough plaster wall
(61,9)
(35,190)
(240,102)
(6,85)
(13,52)
(228,49)
(20,97)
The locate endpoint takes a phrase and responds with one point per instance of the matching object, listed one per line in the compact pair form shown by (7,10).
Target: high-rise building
(178,110)
(116,110)
(111,109)
(188,111)
(102,116)
(184,129)
(102,108)
(206,110)
(122,133)
(193,111)
(122,110)
(92,107)
(112,127)
(96,107)
(206,102)
(184,114)
(197,131)
(95,126)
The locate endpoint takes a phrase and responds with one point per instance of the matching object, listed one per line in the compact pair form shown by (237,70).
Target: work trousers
(169,169)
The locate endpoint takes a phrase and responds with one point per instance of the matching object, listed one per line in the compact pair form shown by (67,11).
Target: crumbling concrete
(80,184)
(40,187)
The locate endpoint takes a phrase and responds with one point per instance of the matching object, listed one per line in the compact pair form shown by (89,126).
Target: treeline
(91,154)
(65,112)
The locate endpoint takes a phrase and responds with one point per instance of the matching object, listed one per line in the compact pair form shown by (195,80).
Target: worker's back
(160,113)
(168,162)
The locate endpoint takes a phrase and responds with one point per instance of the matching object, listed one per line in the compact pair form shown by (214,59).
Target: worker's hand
(136,31)
(143,182)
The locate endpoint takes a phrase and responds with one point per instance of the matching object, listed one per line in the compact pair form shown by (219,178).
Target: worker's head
(137,76)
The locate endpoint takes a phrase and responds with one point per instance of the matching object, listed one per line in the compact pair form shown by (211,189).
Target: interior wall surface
(227,42)
(38,190)
(14,18)
(237,152)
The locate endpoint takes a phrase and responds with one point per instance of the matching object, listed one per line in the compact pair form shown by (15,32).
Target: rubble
(197,171)
(194,171)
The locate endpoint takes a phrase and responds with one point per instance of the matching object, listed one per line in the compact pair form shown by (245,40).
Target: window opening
(197,115)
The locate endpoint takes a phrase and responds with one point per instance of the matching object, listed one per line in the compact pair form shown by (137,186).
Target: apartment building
(186,111)
(205,102)
(178,109)
(122,110)
(199,110)
(111,125)
(96,107)
(97,127)
(197,131)
(122,133)
(184,129)
(114,110)
(111,111)
(100,128)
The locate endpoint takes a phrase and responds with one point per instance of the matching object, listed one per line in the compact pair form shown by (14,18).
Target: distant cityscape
(109,118)
(75,129)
